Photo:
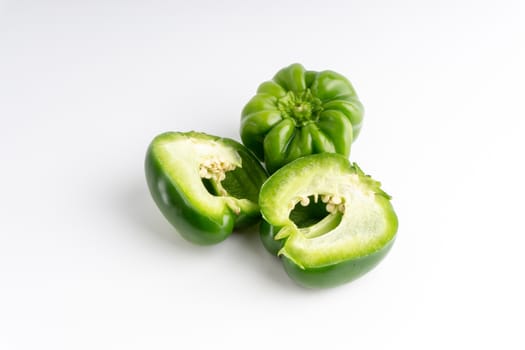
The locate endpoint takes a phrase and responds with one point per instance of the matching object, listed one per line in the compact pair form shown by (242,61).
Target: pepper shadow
(265,264)
(251,250)
(135,205)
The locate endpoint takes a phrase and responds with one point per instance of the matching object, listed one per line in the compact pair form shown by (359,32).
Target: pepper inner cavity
(309,210)
(317,215)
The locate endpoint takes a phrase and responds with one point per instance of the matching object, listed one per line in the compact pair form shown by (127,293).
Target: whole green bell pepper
(204,185)
(328,221)
(299,113)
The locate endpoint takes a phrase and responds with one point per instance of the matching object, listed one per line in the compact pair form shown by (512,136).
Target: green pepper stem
(302,107)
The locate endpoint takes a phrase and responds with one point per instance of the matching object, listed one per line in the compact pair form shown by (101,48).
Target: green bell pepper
(328,221)
(299,113)
(204,185)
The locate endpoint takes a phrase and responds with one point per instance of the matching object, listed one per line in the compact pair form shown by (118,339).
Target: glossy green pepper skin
(204,185)
(327,221)
(299,113)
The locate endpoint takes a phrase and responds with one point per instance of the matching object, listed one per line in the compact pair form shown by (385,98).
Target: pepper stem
(302,107)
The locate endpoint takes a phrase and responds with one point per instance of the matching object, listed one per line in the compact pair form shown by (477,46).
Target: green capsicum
(327,221)
(204,185)
(299,113)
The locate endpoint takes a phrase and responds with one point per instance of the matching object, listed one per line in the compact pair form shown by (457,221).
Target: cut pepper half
(355,232)
(204,185)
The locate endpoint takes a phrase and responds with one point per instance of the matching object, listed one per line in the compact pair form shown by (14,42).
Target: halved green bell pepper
(204,185)
(299,113)
(328,221)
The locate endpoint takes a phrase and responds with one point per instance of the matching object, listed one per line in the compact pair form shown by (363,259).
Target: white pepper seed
(305,201)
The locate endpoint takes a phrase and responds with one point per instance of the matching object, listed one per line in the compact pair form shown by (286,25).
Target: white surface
(88,262)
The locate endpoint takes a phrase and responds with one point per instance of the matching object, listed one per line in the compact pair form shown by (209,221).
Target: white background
(88,262)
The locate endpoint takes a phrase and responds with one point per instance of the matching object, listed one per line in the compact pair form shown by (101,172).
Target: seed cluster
(334,203)
(215,169)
